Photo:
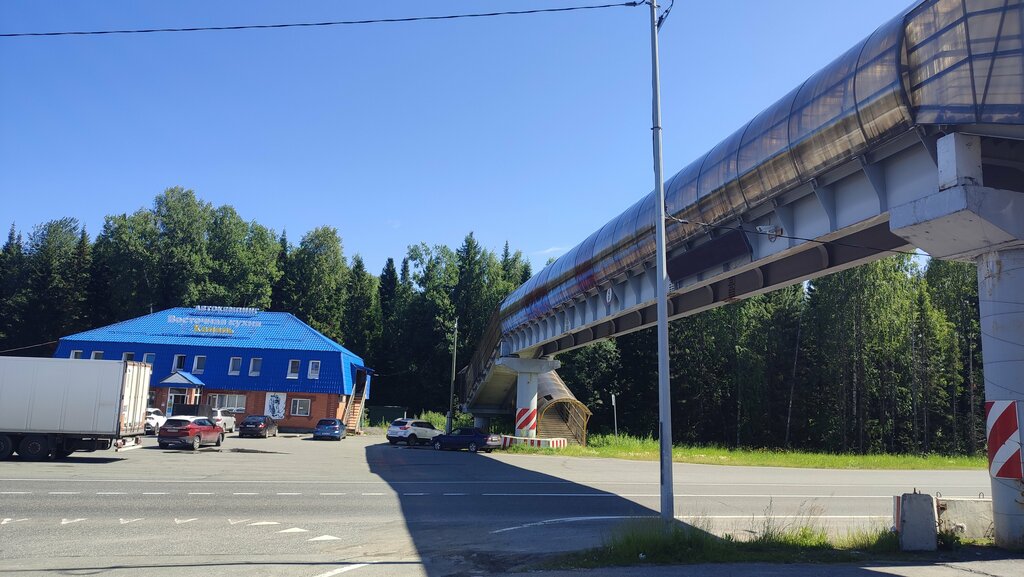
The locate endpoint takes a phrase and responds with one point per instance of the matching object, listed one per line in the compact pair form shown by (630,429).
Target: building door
(175,397)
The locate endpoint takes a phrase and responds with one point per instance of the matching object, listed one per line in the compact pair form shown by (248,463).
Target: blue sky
(530,129)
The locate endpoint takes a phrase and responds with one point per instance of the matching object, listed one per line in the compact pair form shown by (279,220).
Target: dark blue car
(329,429)
(468,438)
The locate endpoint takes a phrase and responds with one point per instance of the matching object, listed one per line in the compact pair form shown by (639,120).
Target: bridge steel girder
(835,222)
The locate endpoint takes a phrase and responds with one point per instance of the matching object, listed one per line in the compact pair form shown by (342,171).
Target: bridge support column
(1001,300)
(964,220)
(526,391)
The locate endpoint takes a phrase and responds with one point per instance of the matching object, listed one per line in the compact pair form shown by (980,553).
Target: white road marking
(492,482)
(245,493)
(553,495)
(332,494)
(183,521)
(257,523)
(111,493)
(372,494)
(8,520)
(70,521)
(200,493)
(239,521)
(341,570)
(325,538)
(126,521)
(571,520)
(294,530)
(65,493)
(455,494)
(15,492)
(415,494)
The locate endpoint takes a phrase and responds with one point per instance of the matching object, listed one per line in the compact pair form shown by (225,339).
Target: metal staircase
(354,409)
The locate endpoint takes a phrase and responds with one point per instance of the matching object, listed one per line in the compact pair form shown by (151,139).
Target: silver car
(412,432)
(225,418)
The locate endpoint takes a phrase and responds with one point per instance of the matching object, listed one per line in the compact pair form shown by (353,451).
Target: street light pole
(664,396)
(451,392)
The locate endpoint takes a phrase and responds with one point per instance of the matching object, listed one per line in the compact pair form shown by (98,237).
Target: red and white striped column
(526,390)
(1001,300)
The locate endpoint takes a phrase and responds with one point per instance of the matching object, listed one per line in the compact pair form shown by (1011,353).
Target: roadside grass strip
(651,541)
(646,449)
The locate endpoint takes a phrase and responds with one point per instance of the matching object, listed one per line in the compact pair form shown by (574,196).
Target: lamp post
(451,392)
(664,396)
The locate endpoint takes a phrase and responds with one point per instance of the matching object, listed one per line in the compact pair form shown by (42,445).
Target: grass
(651,541)
(646,449)
(438,420)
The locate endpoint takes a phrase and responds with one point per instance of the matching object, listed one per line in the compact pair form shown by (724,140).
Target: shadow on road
(469,513)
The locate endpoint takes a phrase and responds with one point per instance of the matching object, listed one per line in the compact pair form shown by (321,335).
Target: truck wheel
(6,447)
(197,442)
(34,448)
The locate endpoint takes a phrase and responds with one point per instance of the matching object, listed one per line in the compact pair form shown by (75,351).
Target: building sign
(274,406)
(212,325)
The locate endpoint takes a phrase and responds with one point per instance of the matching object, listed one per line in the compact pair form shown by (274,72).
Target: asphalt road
(291,506)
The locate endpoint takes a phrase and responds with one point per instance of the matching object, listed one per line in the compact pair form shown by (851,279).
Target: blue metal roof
(230,340)
(215,327)
(182,378)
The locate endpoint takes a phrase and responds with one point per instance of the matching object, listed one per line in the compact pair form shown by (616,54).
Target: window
(314,370)
(254,366)
(300,407)
(76,354)
(128,357)
(149,358)
(198,365)
(235,366)
(179,362)
(233,403)
(293,368)
(97,356)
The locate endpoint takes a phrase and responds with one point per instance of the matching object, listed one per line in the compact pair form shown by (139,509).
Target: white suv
(412,431)
(225,418)
(154,420)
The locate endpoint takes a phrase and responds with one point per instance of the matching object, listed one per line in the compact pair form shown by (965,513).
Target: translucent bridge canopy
(950,62)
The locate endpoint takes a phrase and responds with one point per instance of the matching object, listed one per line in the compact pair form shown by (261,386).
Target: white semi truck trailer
(54,407)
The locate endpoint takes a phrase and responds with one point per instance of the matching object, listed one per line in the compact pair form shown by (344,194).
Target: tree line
(881,358)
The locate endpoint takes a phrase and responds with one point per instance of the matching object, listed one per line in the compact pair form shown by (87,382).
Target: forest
(881,358)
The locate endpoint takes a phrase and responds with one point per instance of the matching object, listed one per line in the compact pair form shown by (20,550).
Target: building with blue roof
(243,359)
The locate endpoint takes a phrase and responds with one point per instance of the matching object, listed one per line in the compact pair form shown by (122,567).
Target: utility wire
(321,24)
(779,235)
(28,347)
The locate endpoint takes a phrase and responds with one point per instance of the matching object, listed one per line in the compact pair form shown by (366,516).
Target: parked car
(412,431)
(154,420)
(329,429)
(225,418)
(189,431)
(257,426)
(468,438)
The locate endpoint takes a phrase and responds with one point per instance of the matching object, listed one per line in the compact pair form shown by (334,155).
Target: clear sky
(531,129)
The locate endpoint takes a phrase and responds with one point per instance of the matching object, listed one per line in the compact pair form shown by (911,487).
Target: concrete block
(917,522)
(968,518)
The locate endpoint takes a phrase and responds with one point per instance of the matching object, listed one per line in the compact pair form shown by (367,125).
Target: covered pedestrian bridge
(910,139)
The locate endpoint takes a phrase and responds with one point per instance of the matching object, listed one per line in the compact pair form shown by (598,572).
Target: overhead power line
(322,24)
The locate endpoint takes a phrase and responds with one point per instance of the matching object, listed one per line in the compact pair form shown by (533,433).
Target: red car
(189,431)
